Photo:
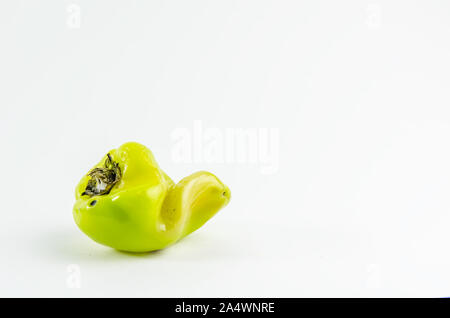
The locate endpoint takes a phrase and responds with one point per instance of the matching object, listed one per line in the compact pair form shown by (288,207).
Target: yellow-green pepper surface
(128,203)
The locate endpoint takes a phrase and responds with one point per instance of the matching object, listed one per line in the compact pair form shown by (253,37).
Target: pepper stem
(103,179)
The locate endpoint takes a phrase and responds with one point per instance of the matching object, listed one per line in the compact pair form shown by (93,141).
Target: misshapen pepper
(128,203)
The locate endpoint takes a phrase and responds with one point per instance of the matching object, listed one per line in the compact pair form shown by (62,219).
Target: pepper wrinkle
(103,179)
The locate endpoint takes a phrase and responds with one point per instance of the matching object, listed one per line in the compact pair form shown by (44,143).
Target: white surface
(359,93)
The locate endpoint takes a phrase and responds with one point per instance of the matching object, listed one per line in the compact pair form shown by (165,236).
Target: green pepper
(128,203)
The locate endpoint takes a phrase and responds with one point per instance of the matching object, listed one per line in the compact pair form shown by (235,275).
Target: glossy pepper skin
(128,203)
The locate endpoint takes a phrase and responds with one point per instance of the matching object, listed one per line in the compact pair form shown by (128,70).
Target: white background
(358,90)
